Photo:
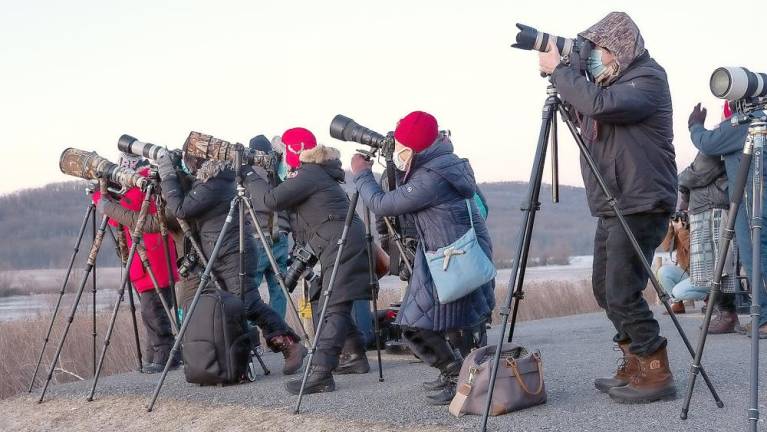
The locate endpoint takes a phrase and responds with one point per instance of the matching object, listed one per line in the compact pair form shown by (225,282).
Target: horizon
(80,75)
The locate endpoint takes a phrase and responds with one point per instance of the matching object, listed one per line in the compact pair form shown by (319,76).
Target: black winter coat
(319,204)
(705,181)
(205,206)
(627,128)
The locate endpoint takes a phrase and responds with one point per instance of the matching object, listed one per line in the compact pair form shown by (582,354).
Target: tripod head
(749,110)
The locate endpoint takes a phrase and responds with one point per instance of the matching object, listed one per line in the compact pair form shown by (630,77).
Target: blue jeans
(743,238)
(677,283)
(363,320)
(277,300)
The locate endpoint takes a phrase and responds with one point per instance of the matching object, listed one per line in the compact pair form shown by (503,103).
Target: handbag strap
(471,213)
(420,231)
(515,368)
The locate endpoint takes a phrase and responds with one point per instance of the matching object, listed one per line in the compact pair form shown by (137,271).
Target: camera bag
(518,385)
(216,344)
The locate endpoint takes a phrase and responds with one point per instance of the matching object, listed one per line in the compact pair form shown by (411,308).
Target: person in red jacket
(159,335)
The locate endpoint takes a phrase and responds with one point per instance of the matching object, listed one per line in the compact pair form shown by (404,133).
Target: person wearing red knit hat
(296,141)
(436,191)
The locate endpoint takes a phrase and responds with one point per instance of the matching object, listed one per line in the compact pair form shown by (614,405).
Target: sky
(82,73)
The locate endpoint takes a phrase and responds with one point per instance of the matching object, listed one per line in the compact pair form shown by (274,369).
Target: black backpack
(216,345)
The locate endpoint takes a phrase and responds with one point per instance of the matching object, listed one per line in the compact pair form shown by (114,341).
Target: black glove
(697,116)
(165,166)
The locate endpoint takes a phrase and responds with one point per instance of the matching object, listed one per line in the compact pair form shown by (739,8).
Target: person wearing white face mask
(437,191)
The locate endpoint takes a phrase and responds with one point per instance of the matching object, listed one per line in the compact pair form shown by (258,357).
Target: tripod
(752,157)
(553,105)
(326,295)
(242,203)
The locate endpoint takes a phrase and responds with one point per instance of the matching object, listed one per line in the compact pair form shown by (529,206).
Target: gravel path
(575,350)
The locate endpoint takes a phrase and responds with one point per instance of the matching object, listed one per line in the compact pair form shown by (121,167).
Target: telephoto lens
(129,144)
(345,129)
(529,38)
(734,83)
(207,147)
(91,166)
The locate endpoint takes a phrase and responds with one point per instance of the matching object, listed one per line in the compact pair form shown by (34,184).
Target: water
(42,305)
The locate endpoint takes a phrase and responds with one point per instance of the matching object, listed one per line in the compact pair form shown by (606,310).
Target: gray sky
(81,73)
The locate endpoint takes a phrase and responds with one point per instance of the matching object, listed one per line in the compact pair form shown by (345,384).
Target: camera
(205,147)
(681,216)
(186,264)
(90,166)
(129,144)
(734,83)
(345,129)
(529,38)
(303,261)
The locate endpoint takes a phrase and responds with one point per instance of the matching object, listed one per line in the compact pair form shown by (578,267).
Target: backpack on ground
(216,345)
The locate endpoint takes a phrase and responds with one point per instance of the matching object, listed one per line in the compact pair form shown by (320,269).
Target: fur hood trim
(320,155)
(211,168)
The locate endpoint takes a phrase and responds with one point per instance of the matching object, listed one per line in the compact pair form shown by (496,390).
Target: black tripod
(752,157)
(553,105)
(242,203)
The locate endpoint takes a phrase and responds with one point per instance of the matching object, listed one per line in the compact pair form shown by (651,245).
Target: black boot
(320,380)
(436,384)
(353,359)
(449,377)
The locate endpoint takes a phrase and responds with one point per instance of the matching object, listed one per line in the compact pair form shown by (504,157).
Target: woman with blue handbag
(453,280)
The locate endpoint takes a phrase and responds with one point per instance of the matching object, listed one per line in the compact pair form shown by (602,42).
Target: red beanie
(727,110)
(297,140)
(418,130)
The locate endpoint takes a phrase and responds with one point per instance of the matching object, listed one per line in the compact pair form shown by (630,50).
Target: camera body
(186,264)
(304,260)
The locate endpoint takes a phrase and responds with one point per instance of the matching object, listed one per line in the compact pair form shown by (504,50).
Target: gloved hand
(165,165)
(359,164)
(697,116)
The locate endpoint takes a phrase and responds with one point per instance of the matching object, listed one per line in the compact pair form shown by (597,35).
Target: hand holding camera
(549,59)
(360,163)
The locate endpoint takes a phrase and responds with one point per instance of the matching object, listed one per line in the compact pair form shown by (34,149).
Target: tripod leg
(89,212)
(664,297)
(168,262)
(204,278)
(724,245)
(758,132)
(136,241)
(93,291)
(122,251)
(88,267)
(373,289)
(530,208)
(276,270)
(327,293)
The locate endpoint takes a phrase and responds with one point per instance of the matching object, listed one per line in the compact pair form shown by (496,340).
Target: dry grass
(21,340)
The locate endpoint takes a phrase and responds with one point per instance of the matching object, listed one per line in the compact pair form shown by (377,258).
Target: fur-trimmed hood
(212,168)
(327,158)
(319,155)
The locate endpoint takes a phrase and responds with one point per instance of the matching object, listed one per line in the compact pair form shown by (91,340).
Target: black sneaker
(353,364)
(320,380)
(444,396)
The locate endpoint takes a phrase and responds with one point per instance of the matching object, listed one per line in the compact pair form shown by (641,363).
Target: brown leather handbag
(519,383)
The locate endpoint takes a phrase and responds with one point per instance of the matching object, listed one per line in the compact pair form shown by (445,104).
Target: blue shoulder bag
(461,267)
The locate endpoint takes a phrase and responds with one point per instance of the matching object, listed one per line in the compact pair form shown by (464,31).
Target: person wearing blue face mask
(623,108)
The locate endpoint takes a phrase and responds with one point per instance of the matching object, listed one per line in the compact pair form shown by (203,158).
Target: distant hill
(38,226)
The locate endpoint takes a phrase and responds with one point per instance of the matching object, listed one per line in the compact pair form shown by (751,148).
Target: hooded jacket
(434,193)
(319,205)
(705,181)
(626,126)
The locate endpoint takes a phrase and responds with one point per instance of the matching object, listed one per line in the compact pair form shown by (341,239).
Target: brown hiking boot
(724,322)
(677,307)
(628,366)
(293,352)
(652,382)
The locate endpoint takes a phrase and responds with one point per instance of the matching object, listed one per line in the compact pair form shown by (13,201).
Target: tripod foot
(683,415)
(720,404)
(380,380)
(89,399)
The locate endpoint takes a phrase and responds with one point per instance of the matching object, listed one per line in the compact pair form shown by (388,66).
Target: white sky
(81,73)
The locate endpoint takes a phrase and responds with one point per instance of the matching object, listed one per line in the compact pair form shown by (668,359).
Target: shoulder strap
(471,215)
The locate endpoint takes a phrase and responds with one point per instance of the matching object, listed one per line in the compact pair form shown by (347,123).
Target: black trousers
(338,333)
(159,336)
(430,346)
(619,278)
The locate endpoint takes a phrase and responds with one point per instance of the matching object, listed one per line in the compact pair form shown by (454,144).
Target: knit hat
(417,130)
(297,140)
(260,143)
(727,110)
(127,160)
